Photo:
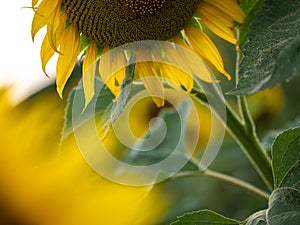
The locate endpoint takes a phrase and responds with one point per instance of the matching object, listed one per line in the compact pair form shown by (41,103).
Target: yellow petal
(66,61)
(88,72)
(174,57)
(119,66)
(46,53)
(37,23)
(178,76)
(105,64)
(105,70)
(56,27)
(206,48)
(230,8)
(178,70)
(33,3)
(218,24)
(152,82)
(205,8)
(197,66)
(43,15)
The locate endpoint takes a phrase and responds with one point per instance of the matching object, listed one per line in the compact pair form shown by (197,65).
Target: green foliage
(100,106)
(250,7)
(284,207)
(272,54)
(284,202)
(286,159)
(204,217)
(83,44)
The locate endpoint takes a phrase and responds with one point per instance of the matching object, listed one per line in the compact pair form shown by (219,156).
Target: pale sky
(20,65)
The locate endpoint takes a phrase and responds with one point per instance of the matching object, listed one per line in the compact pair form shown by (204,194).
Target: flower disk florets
(116,22)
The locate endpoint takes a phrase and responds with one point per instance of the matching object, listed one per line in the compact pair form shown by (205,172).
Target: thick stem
(247,140)
(246,137)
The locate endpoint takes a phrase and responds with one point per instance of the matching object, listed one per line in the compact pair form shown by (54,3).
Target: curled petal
(88,72)
(46,53)
(152,82)
(37,23)
(119,66)
(66,61)
(43,15)
(230,8)
(177,70)
(56,28)
(105,71)
(206,48)
(196,65)
(220,25)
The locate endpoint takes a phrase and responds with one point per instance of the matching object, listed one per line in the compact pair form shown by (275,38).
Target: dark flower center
(140,8)
(116,22)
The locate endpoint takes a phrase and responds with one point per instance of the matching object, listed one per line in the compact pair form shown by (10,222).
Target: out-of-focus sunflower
(42,182)
(106,24)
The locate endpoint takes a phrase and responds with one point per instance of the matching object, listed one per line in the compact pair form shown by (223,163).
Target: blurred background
(20,57)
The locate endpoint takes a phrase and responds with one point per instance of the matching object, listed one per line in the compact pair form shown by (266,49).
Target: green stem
(246,137)
(249,188)
(241,100)
(258,155)
(247,118)
(247,141)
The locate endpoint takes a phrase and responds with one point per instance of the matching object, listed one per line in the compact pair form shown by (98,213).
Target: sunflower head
(112,23)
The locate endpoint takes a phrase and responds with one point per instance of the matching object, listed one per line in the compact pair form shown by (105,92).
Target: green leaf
(270,136)
(272,54)
(284,202)
(284,207)
(204,217)
(285,159)
(100,107)
(258,218)
(83,44)
(251,7)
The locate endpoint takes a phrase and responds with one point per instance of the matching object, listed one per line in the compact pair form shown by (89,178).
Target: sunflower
(94,27)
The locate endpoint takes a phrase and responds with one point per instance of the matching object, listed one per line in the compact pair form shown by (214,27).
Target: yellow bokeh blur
(45,182)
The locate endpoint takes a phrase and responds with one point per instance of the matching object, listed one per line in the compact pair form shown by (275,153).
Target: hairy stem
(249,188)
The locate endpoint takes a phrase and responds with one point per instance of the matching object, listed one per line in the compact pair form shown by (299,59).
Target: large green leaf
(284,207)
(250,7)
(204,217)
(284,202)
(272,54)
(286,159)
